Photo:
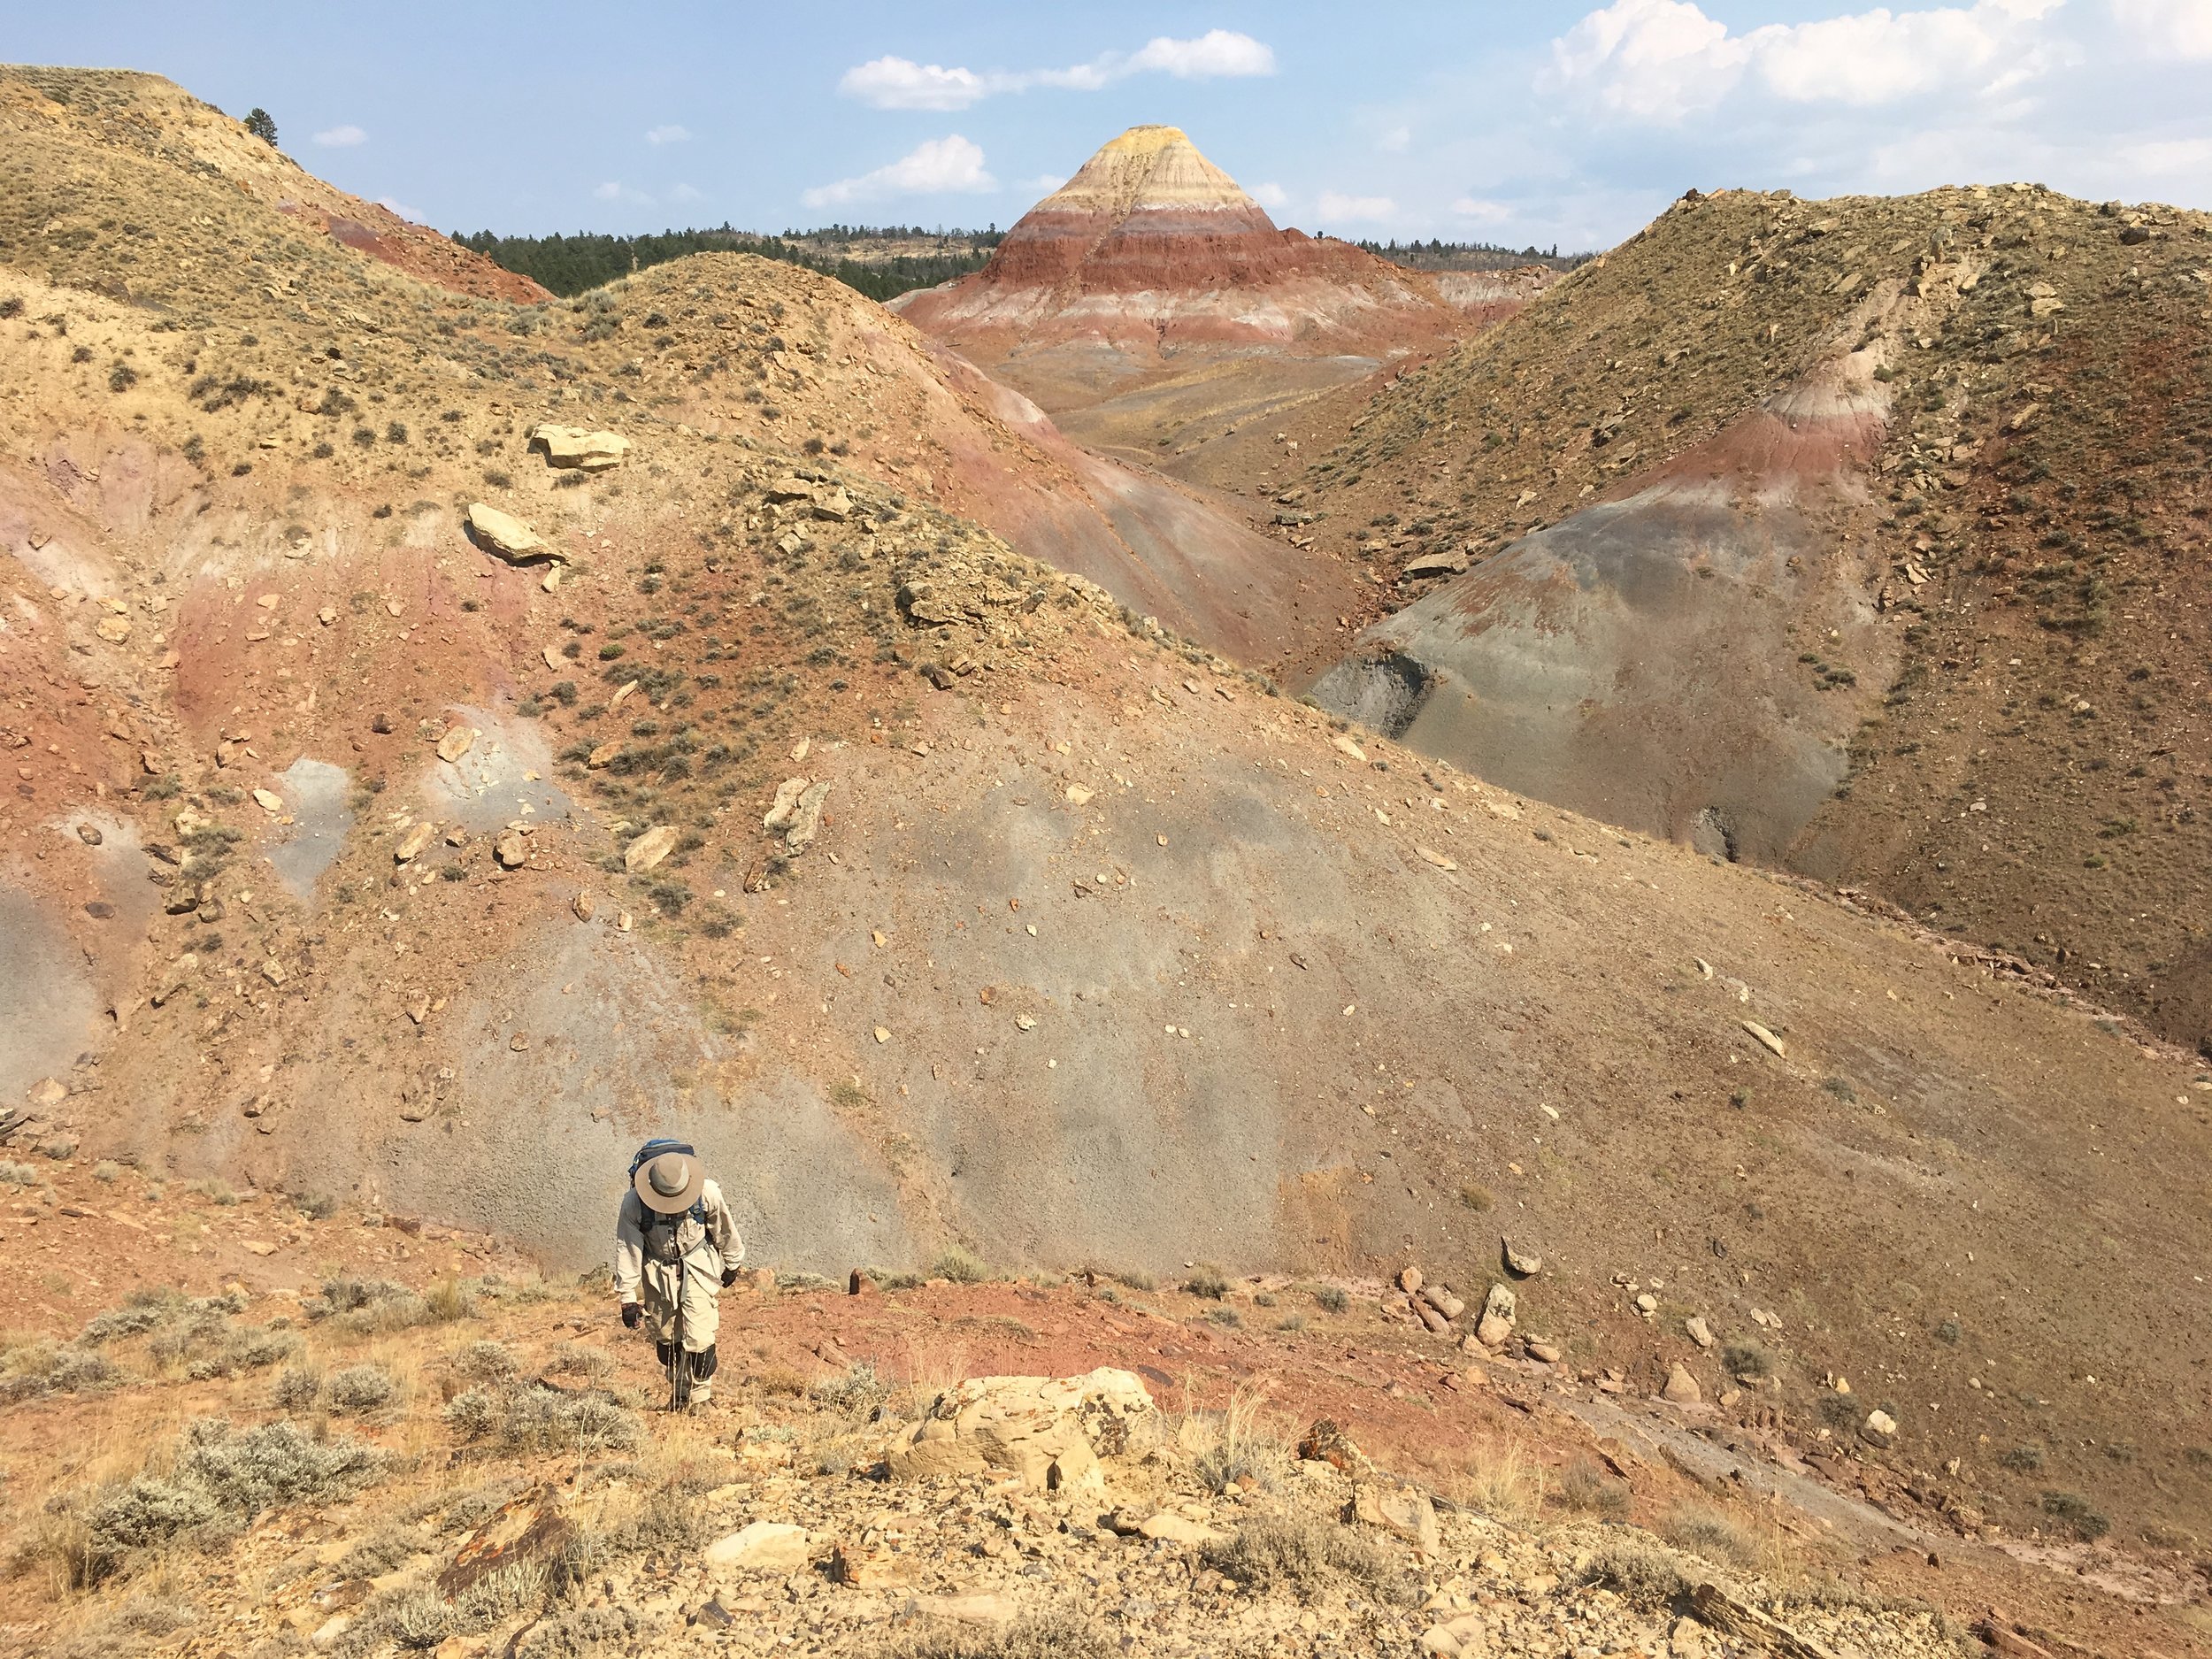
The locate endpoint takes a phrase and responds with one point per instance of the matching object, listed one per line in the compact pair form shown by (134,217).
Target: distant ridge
(1150,248)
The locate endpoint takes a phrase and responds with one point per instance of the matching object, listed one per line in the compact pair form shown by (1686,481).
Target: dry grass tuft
(1500,1479)
(1584,1487)
(1639,1568)
(1062,1634)
(1714,1534)
(1306,1555)
(1235,1443)
(511,1418)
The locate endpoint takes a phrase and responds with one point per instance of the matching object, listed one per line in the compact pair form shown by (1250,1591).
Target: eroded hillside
(1964,628)
(772,801)
(322,351)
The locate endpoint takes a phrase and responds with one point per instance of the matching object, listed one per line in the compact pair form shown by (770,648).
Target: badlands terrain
(1152,308)
(456,734)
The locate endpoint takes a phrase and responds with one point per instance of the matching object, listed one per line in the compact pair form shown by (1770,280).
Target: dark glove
(630,1314)
(729,1277)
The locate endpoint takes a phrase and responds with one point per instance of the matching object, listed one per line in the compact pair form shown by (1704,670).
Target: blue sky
(1517,123)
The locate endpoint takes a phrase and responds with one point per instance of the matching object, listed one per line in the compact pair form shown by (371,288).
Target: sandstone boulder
(503,533)
(575,446)
(1049,1431)
(1440,1298)
(797,814)
(1496,1323)
(1402,1511)
(650,849)
(764,1546)
(1177,1529)
(1428,564)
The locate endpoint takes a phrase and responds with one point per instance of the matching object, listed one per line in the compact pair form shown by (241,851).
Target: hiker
(675,1244)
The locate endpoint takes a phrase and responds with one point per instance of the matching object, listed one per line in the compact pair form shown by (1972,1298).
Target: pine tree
(261,124)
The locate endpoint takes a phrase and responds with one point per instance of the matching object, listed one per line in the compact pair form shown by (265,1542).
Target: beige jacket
(719,1231)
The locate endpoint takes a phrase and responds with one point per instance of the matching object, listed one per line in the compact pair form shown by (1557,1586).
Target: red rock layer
(1151,241)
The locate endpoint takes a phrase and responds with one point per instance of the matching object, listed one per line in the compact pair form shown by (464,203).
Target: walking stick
(676,1351)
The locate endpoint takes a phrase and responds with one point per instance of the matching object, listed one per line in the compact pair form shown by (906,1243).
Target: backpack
(646,1154)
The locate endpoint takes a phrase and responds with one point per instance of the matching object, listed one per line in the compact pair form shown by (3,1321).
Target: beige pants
(699,1276)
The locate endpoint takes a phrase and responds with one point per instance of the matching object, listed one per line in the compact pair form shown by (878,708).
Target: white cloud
(2181,26)
(686,193)
(934,167)
(1649,58)
(900,84)
(2166,158)
(1273,197)
(1664,60)
(1394,139)
(1216,52)
(1341,208)
(615,191)
(1043,184)
(341,137)
(670,134)
(1475,210)
(412,215)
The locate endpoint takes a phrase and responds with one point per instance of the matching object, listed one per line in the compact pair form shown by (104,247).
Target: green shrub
(2076,1512)
(377,1554)
(1207,1282)
(960,1267)
(369,1305)
(1639,1568)
(857,1393)
(46,1368)
(222,1474)
(1062,1633)
(1301,1554)
(490,1362)
(515,1419)
(1718,1537)
(361,1388)
(1748,1358)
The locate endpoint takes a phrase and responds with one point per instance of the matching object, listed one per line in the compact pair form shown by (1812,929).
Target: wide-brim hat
(671,1182)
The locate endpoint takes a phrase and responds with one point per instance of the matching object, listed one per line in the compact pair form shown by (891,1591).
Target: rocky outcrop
(577,447)
(1150,244)
(501,532)
(1050,1431)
